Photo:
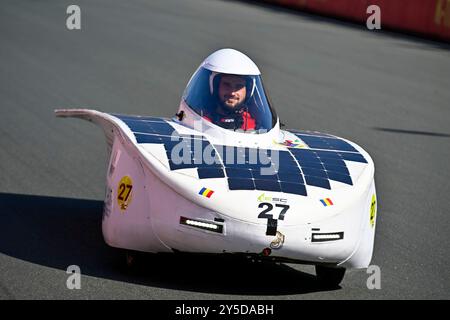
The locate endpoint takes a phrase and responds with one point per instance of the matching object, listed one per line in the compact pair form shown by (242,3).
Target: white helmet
(230,61)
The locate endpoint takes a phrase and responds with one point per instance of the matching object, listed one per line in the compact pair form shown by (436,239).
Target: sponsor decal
(373,209)
(263,198)
(292,143)
(205,192)
(124,195)
(326,202)
(277,243)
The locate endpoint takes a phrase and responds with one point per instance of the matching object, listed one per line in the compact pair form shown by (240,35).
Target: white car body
(151,206)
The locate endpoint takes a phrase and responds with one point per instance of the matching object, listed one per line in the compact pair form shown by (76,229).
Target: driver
(231,112)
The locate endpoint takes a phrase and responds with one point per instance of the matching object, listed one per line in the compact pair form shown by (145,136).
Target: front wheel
(329,277)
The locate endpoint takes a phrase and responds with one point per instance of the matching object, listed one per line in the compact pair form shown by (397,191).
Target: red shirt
(248,122)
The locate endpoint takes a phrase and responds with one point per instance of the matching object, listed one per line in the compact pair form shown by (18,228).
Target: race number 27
(272,223)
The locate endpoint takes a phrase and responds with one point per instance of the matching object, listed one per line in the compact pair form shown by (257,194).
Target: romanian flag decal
(206,192)
(326,202)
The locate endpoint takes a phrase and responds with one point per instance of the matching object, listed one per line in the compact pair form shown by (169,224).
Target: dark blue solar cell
(337,169)
(340,177)
(189,159)
(309,164)
(207,173)
(281,159)
(303,154)
(357,157)
(129,117)
(211,166)
(338,144)
(327,143)
(264,175)
(307,157)
(275,167)
(314,172)
(295,188)
(267,185)
(254,166)
(161,127)
(148,138)
(310,133)
(168,143)
(238,173)
(177,166)
(139,126)
(289,169)
(289,164)
(165,140)
(285,156)
(240,184)
(267,168)
(142,126)
(200,164)
(314,142)
(317,182)
(291,177)
(212,161)
(309,138)
(237,166)
(328,154)
(334,162)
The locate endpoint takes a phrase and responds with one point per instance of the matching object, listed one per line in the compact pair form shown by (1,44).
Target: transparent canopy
(234,102)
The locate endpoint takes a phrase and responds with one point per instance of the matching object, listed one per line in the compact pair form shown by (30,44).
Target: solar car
(222,177)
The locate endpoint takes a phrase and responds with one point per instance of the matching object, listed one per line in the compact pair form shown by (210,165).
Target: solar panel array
(253,168)
(261,169)
(183,151)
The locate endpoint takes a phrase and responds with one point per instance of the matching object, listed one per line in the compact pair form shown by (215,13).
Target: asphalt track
(387,92)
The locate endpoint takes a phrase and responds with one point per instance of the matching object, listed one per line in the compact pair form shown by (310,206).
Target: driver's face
(232,90)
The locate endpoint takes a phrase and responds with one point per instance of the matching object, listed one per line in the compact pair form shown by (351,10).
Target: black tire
(329,277)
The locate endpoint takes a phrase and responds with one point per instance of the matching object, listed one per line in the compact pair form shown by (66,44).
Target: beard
(232,105)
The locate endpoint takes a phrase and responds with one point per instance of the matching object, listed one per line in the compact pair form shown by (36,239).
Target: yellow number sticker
(124,192)
(373,210)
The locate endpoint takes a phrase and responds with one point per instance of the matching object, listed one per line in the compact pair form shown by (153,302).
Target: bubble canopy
(232,101)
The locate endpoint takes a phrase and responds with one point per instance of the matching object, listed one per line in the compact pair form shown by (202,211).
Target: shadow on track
(416,132)
(58,232)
